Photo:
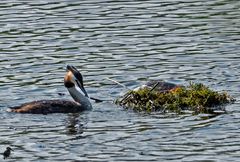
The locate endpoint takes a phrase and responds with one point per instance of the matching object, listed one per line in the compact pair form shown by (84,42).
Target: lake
(130,42)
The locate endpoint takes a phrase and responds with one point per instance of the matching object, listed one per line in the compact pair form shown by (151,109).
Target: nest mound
(196,98)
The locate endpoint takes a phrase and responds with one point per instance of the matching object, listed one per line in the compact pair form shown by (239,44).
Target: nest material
(196,98)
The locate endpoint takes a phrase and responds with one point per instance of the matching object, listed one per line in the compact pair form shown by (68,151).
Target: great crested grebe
(72,79)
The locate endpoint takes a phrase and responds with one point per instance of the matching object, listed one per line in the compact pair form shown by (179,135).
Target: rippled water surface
(128,41)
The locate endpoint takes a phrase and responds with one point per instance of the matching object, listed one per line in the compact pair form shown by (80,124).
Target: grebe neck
(79,97)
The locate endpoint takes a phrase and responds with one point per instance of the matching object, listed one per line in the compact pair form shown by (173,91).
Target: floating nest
(196,98)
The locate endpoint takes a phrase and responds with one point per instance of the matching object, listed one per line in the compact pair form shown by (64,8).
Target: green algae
(196,98)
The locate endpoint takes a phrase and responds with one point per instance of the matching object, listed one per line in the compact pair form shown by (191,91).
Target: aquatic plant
(195,97)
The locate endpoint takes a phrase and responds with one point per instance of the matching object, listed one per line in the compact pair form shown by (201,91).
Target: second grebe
(158,85)
(72,79)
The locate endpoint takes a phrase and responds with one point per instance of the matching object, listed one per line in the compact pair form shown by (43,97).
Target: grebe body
(49,106)
(73,81)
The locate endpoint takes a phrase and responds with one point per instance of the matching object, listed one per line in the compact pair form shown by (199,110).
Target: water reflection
(73,125)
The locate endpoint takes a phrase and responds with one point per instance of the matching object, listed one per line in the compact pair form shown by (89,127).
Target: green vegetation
(196,98)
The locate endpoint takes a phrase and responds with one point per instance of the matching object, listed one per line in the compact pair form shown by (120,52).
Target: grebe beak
(78,78)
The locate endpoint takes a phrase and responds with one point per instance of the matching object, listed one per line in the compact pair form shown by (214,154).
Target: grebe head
(74,77)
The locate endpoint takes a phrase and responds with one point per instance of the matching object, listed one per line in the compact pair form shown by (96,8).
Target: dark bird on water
(7,152)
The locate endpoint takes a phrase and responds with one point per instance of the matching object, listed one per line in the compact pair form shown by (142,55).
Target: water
(128,41)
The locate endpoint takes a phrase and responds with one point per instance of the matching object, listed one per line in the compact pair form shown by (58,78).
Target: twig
(118,83)
(126,97)
(153,88)
(98,100)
